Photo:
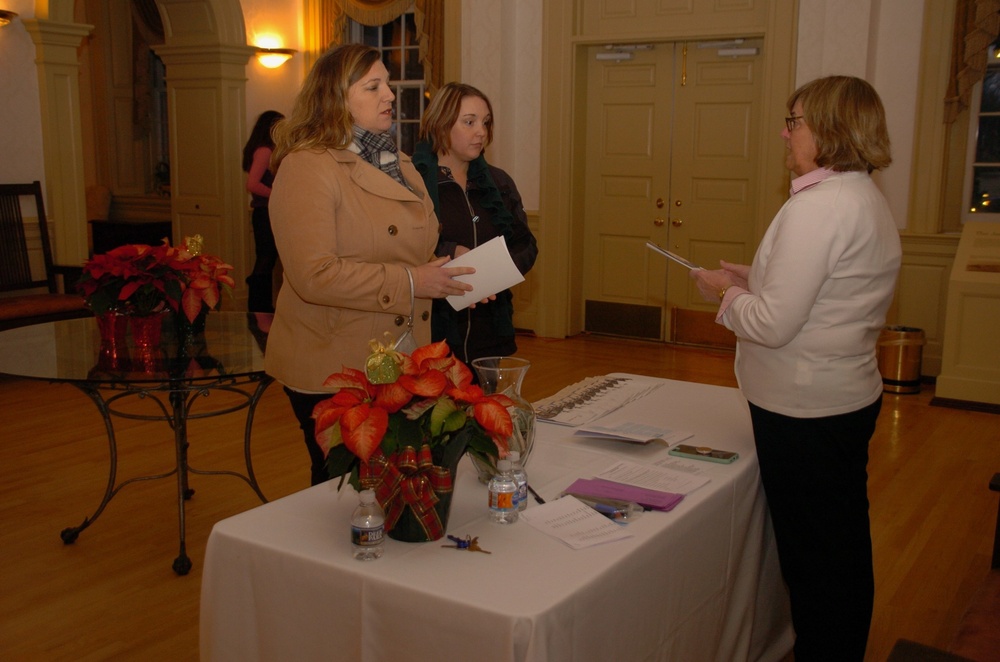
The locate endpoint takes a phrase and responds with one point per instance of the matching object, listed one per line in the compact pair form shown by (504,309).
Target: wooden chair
(21,275)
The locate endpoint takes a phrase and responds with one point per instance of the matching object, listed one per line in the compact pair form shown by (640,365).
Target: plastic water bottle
(367,528)
(520,477)
(503,495)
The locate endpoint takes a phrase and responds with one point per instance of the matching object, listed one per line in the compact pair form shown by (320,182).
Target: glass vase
(505,374)
(147,330)
(189,332)
(112,327)
(113,354)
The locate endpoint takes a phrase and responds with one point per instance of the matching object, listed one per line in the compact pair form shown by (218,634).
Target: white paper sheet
(574,523)
(673,256)
(653,478)
(637,433)
(495,272)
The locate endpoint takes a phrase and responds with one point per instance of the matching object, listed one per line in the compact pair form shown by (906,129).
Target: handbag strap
(409,321)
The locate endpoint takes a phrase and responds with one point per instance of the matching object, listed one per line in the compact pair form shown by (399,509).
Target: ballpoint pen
(535,494)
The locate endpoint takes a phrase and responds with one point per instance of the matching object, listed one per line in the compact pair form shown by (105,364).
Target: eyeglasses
(791,123)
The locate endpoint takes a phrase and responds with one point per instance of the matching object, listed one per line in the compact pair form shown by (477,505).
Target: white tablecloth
(698,583)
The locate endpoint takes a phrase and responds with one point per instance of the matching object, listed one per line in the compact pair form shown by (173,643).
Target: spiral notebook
(592,398)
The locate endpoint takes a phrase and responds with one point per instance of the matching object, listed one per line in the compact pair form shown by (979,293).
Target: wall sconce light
(274,57)
(6,17)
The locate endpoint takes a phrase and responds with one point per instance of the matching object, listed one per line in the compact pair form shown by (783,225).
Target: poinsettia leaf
(418,408)
(443,409)
(434,350)
(456,446)
(363,428)
(484,447)
(328,437)
(428,384)
(349,378)
(327,415)
(494,418)
(401,432)
(470,394)
(459,374)
(392,397)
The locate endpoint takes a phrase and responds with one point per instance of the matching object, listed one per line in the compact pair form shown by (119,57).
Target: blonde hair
(442,113)
(321,119)
(847,121)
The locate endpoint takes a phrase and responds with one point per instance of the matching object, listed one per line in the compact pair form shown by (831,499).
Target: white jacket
(820,285)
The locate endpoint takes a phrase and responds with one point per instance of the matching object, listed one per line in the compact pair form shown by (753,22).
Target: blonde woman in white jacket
(807,314)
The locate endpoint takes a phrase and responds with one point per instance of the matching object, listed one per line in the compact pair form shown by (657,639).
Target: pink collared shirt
(810,179)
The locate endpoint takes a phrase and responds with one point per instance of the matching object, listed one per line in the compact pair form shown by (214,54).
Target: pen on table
(535,494)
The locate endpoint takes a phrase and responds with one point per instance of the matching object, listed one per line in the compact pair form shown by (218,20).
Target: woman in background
(475,203)
(807,314)
(257,165)
(355,229)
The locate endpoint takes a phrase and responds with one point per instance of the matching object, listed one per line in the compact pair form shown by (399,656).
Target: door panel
(672,137)
(628,138)
(716,111)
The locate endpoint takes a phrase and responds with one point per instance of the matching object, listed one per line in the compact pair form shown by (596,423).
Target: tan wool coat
(345,232)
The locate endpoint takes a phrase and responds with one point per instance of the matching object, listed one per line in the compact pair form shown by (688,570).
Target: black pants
(814,472)
(260,295)
(302,405)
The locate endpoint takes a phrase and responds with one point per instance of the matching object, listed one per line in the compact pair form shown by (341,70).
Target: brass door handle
(677,222)
(658,222)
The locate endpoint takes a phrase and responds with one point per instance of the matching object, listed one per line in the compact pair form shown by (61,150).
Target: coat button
(399,320)
(393,231)
(425,316)
(385,298)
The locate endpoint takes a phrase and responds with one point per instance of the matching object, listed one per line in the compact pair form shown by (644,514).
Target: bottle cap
(503,465)
(367,496)
(514,456)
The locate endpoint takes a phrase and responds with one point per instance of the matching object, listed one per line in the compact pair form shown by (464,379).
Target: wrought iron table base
(181,396)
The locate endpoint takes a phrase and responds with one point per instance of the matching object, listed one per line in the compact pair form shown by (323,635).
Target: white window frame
(969,212)
(402,86)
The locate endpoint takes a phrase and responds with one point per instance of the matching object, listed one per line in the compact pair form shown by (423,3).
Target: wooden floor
(113,595)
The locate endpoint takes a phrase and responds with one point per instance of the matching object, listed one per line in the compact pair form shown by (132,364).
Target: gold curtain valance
(977,24)
(326,25)
(373,12)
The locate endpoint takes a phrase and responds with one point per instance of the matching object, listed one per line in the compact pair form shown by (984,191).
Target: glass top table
(227,357)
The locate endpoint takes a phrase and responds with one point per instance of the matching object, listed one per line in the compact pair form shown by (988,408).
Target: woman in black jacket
(475,202)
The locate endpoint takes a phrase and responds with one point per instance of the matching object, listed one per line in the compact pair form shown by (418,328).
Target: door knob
(658,222)
(677,222)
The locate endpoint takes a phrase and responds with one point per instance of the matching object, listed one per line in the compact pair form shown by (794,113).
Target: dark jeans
(814,472)
(302,405)
(260,295)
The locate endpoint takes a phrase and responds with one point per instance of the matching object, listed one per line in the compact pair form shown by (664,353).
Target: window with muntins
(397,41)
(982,178)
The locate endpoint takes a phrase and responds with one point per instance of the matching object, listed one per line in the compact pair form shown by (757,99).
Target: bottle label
(367,537)
(502,500)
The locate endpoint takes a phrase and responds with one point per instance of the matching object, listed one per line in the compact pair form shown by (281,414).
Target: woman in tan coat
(355,230)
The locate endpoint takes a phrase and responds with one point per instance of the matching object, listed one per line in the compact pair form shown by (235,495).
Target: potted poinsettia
(401,427)
(142,281)
(203,276)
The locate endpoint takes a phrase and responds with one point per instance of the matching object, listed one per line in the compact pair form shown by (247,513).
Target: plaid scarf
(379,149)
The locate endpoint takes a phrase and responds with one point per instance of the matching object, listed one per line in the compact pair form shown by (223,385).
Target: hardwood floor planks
(113,594)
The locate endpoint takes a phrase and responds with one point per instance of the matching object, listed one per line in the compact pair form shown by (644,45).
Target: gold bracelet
(722,292)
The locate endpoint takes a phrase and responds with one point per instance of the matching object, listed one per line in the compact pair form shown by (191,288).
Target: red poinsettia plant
(202,275)
(430,402)
(139,279)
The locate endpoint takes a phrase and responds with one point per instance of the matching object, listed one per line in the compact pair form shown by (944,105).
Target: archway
(206,53)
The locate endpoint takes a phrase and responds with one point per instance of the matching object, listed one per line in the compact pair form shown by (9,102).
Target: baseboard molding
(968,405)
(697,327)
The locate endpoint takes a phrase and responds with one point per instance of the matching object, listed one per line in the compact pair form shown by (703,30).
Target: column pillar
(56,45)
